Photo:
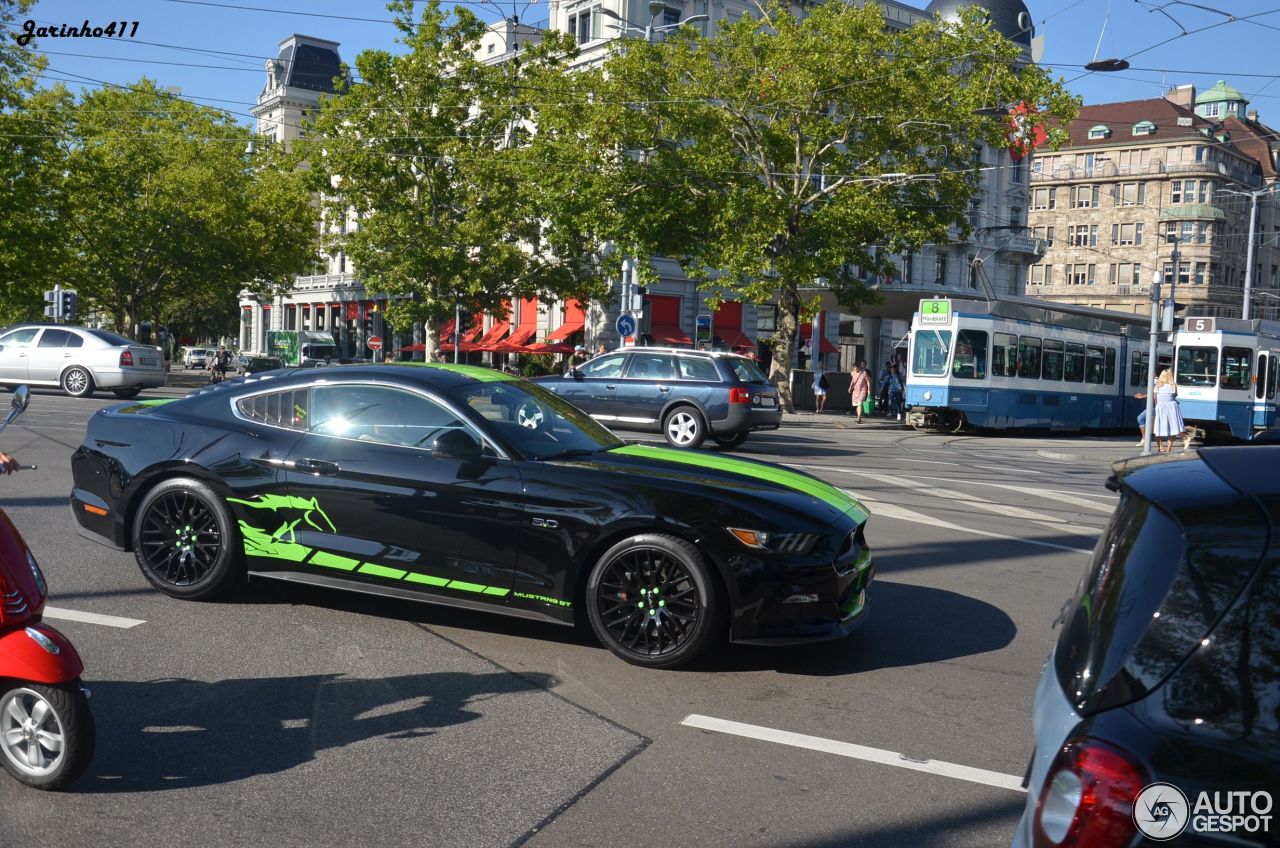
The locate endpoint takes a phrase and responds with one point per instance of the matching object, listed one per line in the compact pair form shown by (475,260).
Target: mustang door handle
(319,467)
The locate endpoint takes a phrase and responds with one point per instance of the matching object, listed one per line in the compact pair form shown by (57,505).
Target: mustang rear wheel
(652,601)
(184,540)
(684,427)
(46,733)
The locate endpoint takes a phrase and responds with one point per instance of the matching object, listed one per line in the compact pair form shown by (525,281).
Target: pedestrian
(820,386)
(601,349)
(441,356)
(1142,421)
(895,388)
(1168,416)
(219,365)
(882,383)
(860,387)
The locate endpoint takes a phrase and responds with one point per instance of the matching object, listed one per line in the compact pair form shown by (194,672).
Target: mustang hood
(802,492)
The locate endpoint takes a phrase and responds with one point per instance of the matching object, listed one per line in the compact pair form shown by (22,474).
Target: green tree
(163,205)
(31,126)
(784,149)
(423,181)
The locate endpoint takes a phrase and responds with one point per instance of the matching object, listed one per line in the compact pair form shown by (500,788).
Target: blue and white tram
(1021,363)
(1226,373)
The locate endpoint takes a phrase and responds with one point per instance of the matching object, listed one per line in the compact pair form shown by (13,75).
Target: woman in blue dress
(1168,415)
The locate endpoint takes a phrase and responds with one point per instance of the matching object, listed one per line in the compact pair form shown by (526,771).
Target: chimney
(1253,114)
(1183,95)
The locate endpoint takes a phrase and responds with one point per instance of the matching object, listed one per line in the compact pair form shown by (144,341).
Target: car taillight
(1088,796)
(126,358)
(738,394)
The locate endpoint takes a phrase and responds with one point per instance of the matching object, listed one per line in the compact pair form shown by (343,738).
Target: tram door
(1264,390)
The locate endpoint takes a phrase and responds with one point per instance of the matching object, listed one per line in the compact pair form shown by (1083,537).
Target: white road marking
(885,510)
(1048,494)
(1044,519)
(92,618)
(1005,469)
(857,752)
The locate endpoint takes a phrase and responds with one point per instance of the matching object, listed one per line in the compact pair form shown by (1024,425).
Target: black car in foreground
(687,395)
(1158,714)
(463,486)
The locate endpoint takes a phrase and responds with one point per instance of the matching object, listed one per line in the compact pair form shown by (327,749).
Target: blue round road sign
(625,325)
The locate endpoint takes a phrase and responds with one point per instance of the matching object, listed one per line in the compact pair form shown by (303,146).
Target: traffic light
(69,300)
(463,325)
(1170,320)
(52,304)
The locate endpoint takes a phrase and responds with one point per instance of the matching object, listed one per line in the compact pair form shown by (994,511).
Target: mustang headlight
(35,572)
(791,543)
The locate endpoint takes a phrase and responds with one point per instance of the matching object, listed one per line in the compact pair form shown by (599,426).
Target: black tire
(684,427)
(126,393)
(77,382)
(620,599)
(733,441)
(185,542)
(65,715)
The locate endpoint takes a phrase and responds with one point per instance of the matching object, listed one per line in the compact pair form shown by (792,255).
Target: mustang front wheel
(46,733)
(184,540)
(652,601)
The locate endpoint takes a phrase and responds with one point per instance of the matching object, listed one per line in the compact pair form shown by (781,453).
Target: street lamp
(1253,226)
(656,8)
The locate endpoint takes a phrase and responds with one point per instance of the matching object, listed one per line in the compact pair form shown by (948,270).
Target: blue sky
(236,42)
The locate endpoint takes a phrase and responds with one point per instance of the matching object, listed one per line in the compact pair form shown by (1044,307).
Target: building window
(908,260)
(1084,197)
(940,269)
(1144,128)
(1044,198)
(766,319)
(1184,272)
(1100,131)
(1045,233)
(1015,216)
(584,24)
(1211,110)
(1131,194)
(1082,235)
(1126,235)
(1015,176)
(1036,275)
(1200,273)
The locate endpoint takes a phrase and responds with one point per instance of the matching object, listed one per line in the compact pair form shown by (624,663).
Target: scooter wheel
(47,735)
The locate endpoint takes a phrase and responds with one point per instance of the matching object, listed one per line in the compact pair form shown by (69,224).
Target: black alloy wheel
(732,441)
(653,602)
(184,541)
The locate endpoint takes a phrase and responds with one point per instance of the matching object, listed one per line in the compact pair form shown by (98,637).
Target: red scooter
(46,729)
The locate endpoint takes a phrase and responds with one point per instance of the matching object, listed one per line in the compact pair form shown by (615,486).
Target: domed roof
(1010,18)
(1220,92)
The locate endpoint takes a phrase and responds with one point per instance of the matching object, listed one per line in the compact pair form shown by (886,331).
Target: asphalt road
(292,716)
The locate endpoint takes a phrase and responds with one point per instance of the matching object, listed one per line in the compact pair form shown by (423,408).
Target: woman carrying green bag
(860,390)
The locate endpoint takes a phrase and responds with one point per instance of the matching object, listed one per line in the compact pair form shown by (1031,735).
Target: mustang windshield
(538,423)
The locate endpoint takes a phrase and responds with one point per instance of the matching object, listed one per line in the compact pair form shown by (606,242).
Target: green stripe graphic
(792,480)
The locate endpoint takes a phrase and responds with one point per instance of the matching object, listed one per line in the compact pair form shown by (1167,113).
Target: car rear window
(747,371)
(109,338)
(1157,585)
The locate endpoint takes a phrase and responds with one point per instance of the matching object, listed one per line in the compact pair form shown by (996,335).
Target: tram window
(1073,370)
(1004,355)
(1237,367)
(1271,378)
(1261,387)
(1110,378)
(1052,360)
(1138,368)
(1197,366)
(1093,366)
(970,361)
(929,359)
(1029,357)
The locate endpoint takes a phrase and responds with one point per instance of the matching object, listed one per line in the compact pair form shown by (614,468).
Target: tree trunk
(431,329)
(784,345)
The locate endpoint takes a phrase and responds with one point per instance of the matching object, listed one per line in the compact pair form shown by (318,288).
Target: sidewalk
(843,419)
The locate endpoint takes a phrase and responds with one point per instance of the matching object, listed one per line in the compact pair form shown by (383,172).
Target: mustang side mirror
(456,444)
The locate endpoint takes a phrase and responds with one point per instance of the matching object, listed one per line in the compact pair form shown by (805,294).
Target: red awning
(806,332)
(575,317)
(496,332)
(734,339)
(415,348)
(515,343)
(669,335)
(549,348)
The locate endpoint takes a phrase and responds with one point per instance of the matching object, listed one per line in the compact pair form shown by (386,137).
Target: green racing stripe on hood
(792,480)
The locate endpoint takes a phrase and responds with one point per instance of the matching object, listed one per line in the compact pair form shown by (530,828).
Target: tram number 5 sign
(935,312)
(1199,325)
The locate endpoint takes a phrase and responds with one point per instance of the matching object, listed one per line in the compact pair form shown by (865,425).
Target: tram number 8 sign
(935,312)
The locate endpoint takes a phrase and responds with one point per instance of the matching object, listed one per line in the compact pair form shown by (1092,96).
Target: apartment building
(1140,177)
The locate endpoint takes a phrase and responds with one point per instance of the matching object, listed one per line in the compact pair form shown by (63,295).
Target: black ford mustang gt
(462,486)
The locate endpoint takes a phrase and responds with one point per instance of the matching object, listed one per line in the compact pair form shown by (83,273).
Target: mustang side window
(281,409)
(380,414)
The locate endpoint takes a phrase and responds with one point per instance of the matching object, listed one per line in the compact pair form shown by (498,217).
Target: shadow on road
(177,733)
(60,501)
(907,625)
(943,830)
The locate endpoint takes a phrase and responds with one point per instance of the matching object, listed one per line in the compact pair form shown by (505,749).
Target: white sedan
(78,360)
